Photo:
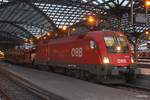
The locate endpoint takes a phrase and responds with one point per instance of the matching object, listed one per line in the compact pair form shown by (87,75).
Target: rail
(46,95)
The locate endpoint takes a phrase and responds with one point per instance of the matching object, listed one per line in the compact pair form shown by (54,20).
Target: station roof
(25,19)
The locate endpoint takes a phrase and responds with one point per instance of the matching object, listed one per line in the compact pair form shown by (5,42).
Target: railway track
(127,86)
(15,87)
(12,90)
(131,87)
(142,88)
(70,83)
(141,92)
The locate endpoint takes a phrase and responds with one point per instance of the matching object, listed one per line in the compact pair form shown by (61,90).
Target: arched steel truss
(17,14)
(37,17)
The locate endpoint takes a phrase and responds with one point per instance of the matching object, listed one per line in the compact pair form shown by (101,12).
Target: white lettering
(121,61)
(77,52)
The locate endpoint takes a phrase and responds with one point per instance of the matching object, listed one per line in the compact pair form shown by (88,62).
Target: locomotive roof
(80,36)
(107,32)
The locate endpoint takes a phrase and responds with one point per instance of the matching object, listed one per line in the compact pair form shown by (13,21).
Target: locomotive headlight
(132,60)
(105,60)
(118,48)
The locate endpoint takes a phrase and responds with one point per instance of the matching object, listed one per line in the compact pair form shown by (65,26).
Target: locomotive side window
(93,44)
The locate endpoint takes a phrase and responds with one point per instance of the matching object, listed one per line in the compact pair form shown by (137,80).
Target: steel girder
(13,27)
(47,14)
(24,13)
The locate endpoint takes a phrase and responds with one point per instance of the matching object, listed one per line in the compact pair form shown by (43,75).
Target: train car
(143,58)
(20,56)
(143,54)
(105,54)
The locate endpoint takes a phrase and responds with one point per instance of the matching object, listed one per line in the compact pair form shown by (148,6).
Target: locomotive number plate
(77,52)
(121,61)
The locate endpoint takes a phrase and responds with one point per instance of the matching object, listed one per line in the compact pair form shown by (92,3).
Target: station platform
(67,88)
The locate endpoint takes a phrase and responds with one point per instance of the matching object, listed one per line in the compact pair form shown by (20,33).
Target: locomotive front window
(116,44)
(122,41)
(110,41)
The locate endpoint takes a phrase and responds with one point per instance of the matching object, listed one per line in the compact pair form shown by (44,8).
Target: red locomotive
(103,54)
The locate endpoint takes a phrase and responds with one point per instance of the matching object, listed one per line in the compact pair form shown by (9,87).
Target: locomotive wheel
(51,69)
(80,74)
(59,70)
(84,75)
(69,72)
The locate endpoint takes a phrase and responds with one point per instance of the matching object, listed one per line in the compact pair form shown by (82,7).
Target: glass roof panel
(66,15)
(3,1)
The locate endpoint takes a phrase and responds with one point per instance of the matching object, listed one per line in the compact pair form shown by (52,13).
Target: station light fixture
(121,34)
(30,40)
(146,32)
(73,29)
(48,34)
(26,40)
(1,54)
(38,37)
(147,3)
(64,28)
(91,19)
(25,43)
(44,37)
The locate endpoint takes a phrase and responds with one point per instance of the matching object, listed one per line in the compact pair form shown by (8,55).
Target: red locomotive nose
(121,60)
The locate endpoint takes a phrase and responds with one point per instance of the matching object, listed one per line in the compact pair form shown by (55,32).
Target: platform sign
(140,18)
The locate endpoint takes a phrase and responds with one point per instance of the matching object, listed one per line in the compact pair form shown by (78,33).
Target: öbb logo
(77,52)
